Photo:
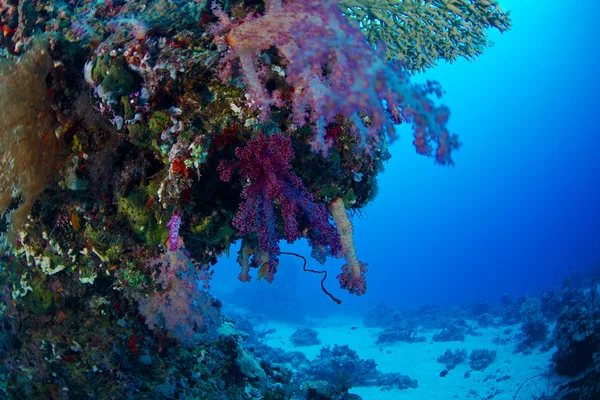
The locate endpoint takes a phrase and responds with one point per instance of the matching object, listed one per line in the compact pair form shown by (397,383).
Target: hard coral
(421,34)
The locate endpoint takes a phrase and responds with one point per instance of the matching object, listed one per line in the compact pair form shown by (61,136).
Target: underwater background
(518,215)
(151,149)
(520,210)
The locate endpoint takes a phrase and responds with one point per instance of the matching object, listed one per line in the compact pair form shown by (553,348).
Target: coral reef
(452,359)
(305,337)
(534,328)
(577,335)
(481,358)
(400,335)
(450,335)
(141,139)
(577,340)
(342,367)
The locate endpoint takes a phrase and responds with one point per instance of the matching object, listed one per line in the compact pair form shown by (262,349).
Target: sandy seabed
(499,381)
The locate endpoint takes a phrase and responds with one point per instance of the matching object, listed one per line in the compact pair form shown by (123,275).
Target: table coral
(422,33)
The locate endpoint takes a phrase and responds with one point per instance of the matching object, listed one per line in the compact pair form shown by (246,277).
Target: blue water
(518,213)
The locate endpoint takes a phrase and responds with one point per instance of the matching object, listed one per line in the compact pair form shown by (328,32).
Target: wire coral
(422,32)
(28,144)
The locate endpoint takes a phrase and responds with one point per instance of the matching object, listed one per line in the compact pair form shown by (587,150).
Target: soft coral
(333,71)
(265,164)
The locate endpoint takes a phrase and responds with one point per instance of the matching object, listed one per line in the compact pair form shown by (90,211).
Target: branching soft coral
(333,71)
(265,164)
(420,33)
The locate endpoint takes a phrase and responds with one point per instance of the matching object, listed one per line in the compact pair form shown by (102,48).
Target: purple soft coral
(265,163)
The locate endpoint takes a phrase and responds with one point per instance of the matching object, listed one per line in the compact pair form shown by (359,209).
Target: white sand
(418,361)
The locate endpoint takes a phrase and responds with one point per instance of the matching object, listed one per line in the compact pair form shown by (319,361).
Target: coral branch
(353,276)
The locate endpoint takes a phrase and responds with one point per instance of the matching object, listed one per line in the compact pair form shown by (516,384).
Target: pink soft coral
(180,305)
(332,70)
